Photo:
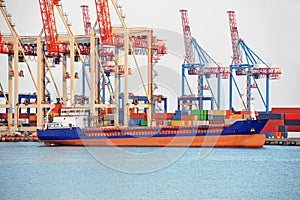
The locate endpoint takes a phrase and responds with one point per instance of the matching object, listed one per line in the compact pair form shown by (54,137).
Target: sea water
(33,171)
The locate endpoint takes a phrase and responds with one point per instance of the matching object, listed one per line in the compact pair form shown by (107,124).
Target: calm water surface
(33,171)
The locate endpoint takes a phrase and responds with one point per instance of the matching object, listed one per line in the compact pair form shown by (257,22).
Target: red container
(292,116)
(138,116)
(187,117)
(270,129)
(110,110)
(3,115)
(293,128)
(275,122)
(285,110)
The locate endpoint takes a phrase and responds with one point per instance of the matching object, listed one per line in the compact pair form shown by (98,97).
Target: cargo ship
(73,127)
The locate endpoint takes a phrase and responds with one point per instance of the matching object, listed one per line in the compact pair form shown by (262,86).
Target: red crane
(189,54)
(237,56)
(49,24)
(108,38)
(103,17)
(50,31)
(86,19)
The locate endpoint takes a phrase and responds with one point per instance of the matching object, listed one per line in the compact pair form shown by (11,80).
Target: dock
(283,141)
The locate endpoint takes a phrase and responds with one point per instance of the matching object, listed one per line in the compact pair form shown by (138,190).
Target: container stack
(282,122)
(138,119)
(108,120)
(163,118)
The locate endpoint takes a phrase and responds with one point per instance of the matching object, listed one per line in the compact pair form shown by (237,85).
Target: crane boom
(104,22)
(86,19)
(49,25)
(237,56)
(189,55)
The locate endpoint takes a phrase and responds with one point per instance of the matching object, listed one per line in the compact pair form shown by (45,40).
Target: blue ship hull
(239,134)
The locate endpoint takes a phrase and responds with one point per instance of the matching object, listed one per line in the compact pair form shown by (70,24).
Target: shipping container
(219,112)
(188,123)
(216,121)
(200,123)
(195,112)
(188,117)
(143,122)
(167,123)
(138,115)
(236,116)
(134,122)
(282,128)
(292,122)
(271,116)
(109,117)
(177,123)
(181,112)
(292,116)
(176,117)
(294,134)
(108,123)
(285,110)
(293,128)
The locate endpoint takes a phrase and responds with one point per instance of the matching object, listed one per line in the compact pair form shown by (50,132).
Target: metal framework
(253,68)
(204,67)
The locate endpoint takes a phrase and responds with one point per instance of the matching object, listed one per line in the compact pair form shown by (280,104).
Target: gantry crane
(204,67)
(123,38)
(57,49)
(252,67)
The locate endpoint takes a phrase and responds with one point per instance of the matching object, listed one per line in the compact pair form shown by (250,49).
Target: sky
(270,27)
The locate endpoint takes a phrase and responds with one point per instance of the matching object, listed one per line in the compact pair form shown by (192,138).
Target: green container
(143,122)
(196,112)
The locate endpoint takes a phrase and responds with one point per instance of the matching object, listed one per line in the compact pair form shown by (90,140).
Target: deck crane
(203,68)
(252,66)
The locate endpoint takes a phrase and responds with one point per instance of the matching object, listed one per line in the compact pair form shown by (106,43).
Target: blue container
(135,122)
(181,112)
(292,122)
(271,116)
(282,128)
(176,117)
(218,117)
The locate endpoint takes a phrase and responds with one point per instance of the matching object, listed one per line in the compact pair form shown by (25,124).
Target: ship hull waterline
(220,141)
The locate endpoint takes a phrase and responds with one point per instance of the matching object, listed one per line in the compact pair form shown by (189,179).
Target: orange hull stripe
(248,141)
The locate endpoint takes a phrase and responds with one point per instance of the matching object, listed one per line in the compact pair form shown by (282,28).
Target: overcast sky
(270,27)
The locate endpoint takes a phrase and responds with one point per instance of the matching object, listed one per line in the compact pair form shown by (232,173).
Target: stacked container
(282,121)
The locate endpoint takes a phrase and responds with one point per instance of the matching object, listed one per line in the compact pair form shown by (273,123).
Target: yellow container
(219,112)
(177,123)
